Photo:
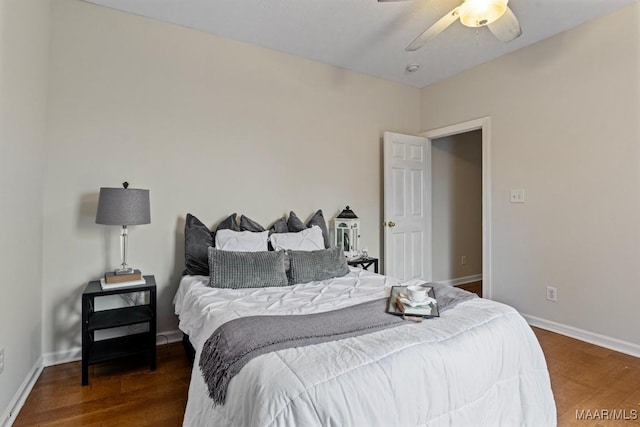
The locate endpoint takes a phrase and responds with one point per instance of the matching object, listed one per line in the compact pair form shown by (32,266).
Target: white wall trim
(75,354)
(168,337)
(483,123)
(582,335)
(461,280)
(60,357)
(10,413)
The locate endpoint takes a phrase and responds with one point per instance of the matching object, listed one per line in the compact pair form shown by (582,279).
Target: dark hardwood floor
(120,393)
(583,377)
(475,287)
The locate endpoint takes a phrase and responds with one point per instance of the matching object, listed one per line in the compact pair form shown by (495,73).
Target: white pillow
(241,241)
(309,239)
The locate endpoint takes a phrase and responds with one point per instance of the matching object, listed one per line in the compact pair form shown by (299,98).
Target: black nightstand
(365,263)
(99,351)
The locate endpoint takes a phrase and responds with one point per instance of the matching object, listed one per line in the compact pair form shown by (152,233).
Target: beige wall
(565,117)
(211,127)
(456,192)
(24,58)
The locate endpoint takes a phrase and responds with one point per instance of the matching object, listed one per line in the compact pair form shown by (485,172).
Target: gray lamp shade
(123,206)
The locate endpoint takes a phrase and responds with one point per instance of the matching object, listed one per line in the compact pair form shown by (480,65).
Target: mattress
(477,364)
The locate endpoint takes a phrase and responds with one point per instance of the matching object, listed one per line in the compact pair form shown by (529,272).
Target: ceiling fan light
(478,13)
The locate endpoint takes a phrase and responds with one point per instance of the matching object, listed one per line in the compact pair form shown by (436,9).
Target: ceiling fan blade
(434,30)
(507,27)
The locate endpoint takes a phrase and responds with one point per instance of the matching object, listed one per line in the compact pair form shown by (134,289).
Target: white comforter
(479,364)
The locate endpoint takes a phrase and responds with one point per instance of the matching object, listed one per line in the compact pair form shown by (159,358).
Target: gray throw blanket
(449,296)
(238,341)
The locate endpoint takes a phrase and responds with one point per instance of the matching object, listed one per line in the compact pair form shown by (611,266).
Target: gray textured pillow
(306,266)
(239,270)
(295,224)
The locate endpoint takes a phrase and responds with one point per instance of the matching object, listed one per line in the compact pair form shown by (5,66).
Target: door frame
(483,123)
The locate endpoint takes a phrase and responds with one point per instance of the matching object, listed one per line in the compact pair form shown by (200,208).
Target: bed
(479,363)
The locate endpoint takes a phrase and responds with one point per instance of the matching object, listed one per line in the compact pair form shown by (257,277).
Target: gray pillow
(197,239)
(306,266)
(295,225)
(247,224)
(229,223)
(318,219)
(239,270)
(280,226)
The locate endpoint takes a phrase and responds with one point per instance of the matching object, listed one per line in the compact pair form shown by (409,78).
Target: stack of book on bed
(113,280)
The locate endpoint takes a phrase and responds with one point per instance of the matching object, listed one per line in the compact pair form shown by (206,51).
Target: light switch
(517,196)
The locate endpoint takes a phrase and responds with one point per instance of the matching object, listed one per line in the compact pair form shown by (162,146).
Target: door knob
(391,224)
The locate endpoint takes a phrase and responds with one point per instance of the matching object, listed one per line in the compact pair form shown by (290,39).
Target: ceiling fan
(494,14)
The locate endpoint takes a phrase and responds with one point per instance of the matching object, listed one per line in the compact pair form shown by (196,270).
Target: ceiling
(367,36)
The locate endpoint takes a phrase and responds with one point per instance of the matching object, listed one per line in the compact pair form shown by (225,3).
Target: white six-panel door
(407,206)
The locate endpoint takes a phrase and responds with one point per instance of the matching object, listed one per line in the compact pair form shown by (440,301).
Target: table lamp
(123,206)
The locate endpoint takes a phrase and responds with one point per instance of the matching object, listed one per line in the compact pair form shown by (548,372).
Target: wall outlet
(1,360)
(552,294)
(517,195)
(463,260)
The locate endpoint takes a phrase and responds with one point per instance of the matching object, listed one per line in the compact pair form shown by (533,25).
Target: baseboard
(60,357)
(582,335)
(461,280)
(10,413)
(75,354)
(168,337)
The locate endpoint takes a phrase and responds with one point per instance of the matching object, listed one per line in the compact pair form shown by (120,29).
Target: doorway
(451,199)
(456,209)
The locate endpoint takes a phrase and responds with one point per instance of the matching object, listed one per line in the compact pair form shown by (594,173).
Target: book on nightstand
(112,277)
(119,285)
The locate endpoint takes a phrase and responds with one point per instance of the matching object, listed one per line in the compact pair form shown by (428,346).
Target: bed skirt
(188,348)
